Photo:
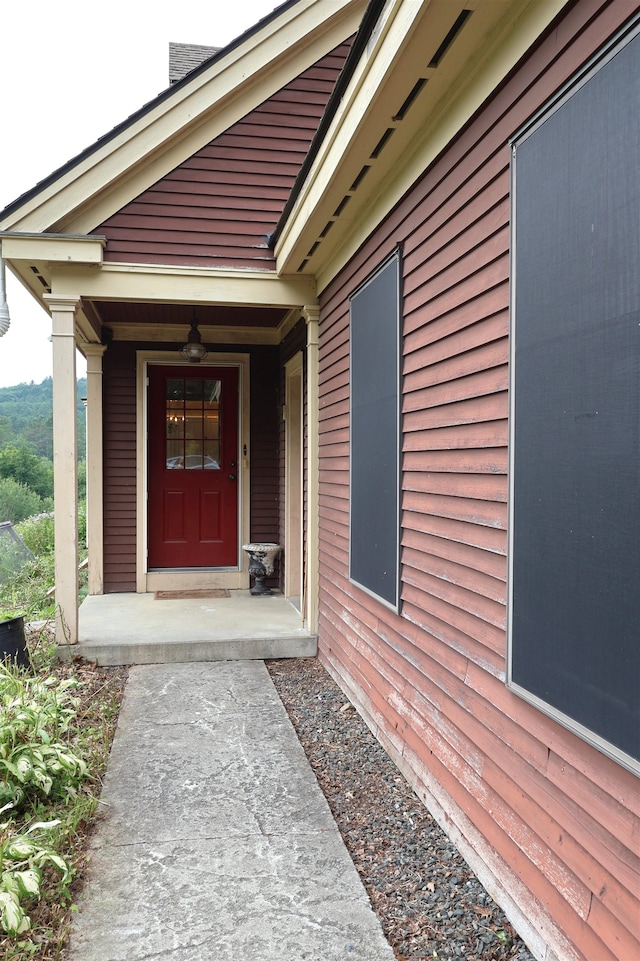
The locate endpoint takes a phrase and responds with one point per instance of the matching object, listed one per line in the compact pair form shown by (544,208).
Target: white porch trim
(312,318)
(95,485)
(294,479)
(65,466)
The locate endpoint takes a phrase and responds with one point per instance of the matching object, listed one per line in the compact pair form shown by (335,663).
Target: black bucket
(13,643)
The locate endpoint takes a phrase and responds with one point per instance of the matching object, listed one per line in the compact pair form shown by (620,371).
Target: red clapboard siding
(217,208)
(557,820)
(119,439)
(294,342)
(264,449)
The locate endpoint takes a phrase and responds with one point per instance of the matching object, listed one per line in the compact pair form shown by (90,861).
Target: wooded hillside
(26,448)
(26,416)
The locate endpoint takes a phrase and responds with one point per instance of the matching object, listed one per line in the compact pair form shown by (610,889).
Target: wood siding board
(493,406)
(455,532)
(461,461)
(478,348)
(160,211)
(262,153)
(479,653)
(495,380)
(458,508)
(456,437)
(422,328)
(227,234)
(483,216)
(485,487)
(420,605)
(211,174)
(464,556)
(620,940)
(119,470)
(264,446)
(460,260)
(417,563)
(482,608)
(485,277)
(451,231)
(620,817)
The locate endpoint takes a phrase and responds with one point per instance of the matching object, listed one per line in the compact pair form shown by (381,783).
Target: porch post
(95,543)
(312,317)
(65,466)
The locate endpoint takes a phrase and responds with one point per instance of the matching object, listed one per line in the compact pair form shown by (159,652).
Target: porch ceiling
(163,315)
(159,322)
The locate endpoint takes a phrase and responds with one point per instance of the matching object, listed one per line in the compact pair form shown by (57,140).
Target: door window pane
(192,414)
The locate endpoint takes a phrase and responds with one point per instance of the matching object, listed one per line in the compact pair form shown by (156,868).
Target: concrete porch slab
(138,629)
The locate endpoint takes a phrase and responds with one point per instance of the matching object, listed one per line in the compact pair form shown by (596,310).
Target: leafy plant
(34,759)
(56,727)
(22,859)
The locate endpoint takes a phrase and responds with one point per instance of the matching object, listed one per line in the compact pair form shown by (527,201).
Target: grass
(57,757)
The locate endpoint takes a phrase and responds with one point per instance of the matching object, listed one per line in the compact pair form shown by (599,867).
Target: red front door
(193,467)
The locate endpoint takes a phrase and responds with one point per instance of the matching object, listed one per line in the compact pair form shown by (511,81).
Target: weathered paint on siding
(551,824)
(217,208)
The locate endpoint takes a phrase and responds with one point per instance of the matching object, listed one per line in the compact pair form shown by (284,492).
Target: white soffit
(495,36)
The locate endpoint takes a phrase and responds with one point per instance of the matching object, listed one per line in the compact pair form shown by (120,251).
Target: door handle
(232,476)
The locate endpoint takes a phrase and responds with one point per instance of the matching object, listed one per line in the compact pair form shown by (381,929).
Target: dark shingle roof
(185,57)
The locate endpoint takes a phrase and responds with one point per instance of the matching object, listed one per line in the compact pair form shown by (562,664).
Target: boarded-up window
(374,513)
(574,637)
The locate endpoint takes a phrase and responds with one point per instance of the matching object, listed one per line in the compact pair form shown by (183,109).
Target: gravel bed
(429,902)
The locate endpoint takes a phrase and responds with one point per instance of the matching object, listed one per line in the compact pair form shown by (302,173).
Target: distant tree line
(26,448)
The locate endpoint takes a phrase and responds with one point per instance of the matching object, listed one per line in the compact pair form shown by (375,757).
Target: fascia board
(169,133)
(183,285)
(52,248)
(324,186)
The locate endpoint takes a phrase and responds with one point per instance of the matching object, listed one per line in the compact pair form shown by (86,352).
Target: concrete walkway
(217,843)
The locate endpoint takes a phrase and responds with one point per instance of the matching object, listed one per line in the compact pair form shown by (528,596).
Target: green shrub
(38,533)
(22,465)
(82,479)
(18,501)
(82,524)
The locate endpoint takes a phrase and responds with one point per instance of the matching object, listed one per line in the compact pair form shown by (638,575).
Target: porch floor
(140,629)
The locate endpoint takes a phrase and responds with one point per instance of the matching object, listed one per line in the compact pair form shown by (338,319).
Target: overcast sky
(71,71)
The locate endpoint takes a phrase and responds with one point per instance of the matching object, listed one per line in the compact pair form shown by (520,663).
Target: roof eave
(375,146)
(186,116)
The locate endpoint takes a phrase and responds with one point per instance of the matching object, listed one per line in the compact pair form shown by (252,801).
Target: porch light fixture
(194,350)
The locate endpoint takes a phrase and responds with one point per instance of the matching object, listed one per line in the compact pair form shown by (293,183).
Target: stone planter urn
(261,565)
